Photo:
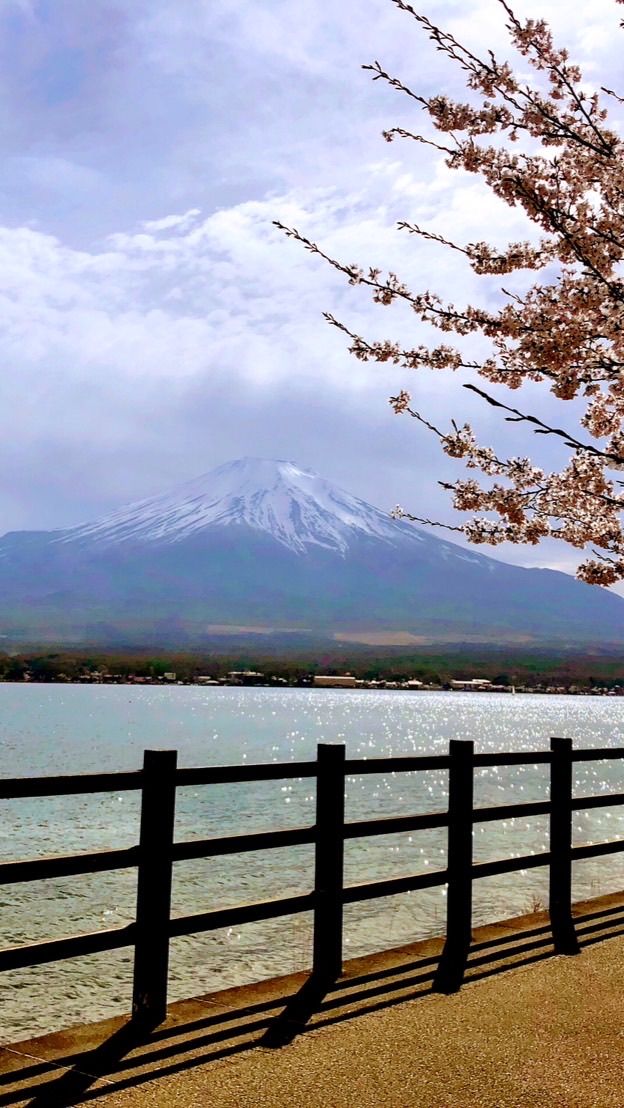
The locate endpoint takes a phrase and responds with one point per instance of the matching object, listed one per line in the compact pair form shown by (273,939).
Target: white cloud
(191,306)
(180,222)
(186,292)
(110,353)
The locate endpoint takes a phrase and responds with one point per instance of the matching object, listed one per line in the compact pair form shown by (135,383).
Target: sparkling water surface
(49,729)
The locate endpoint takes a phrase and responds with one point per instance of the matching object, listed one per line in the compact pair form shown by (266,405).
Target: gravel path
(551,1033)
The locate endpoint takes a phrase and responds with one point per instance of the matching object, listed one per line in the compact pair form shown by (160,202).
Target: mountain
(258,544)
(292,505)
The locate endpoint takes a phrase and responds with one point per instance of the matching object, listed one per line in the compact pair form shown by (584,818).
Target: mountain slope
(295,506)
(258,542)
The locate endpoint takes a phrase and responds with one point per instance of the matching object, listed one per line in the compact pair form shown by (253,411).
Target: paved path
(527,1030)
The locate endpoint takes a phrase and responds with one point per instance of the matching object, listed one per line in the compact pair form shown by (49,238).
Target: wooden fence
(156,853)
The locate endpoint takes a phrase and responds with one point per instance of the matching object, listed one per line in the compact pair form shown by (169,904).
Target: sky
(153,321)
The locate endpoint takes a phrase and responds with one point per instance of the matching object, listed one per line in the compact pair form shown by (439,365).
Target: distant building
(329,682)
(474,683)
(245,677)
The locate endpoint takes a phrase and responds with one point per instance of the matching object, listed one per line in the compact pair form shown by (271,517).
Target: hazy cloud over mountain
(153,323)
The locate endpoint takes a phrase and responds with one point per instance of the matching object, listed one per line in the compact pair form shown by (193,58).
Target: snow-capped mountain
(267,544)
(293,505)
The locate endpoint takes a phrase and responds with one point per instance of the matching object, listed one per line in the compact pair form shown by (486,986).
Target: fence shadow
(199,1032)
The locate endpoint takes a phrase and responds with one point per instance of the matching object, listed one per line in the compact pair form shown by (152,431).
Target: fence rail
(157,852)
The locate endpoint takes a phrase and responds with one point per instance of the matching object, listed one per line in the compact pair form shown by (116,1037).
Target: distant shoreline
(559,670)
(361,686)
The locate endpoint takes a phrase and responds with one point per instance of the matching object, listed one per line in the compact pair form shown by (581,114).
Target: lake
(49,729)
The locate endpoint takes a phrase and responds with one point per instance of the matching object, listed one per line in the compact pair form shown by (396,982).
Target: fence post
(151,954)
(450,972)
(329,862)
(560,899)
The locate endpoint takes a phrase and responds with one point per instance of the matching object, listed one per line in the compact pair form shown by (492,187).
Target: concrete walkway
(527,1030)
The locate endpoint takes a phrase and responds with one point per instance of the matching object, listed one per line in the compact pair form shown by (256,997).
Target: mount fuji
(258,544)
(294,506)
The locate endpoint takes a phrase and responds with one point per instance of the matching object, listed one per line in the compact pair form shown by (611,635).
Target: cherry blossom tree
(544,146)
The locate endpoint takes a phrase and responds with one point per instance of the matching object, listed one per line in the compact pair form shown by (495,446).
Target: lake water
(50,729)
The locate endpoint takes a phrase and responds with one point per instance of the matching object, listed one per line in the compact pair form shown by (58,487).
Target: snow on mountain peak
(295,506)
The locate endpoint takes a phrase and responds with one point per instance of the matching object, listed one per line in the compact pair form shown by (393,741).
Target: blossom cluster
(544,146)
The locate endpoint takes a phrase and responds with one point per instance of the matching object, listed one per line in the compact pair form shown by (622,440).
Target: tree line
(502,666)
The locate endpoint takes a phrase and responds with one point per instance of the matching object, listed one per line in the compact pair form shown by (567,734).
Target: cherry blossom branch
(544,428)
(567,331)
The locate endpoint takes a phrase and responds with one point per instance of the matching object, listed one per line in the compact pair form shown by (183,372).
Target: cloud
(114,351)
(180,222)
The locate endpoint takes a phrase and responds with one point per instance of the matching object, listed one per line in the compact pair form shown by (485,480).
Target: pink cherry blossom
(544,147)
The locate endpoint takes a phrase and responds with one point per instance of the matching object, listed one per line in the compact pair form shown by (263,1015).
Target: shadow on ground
(68,1069)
